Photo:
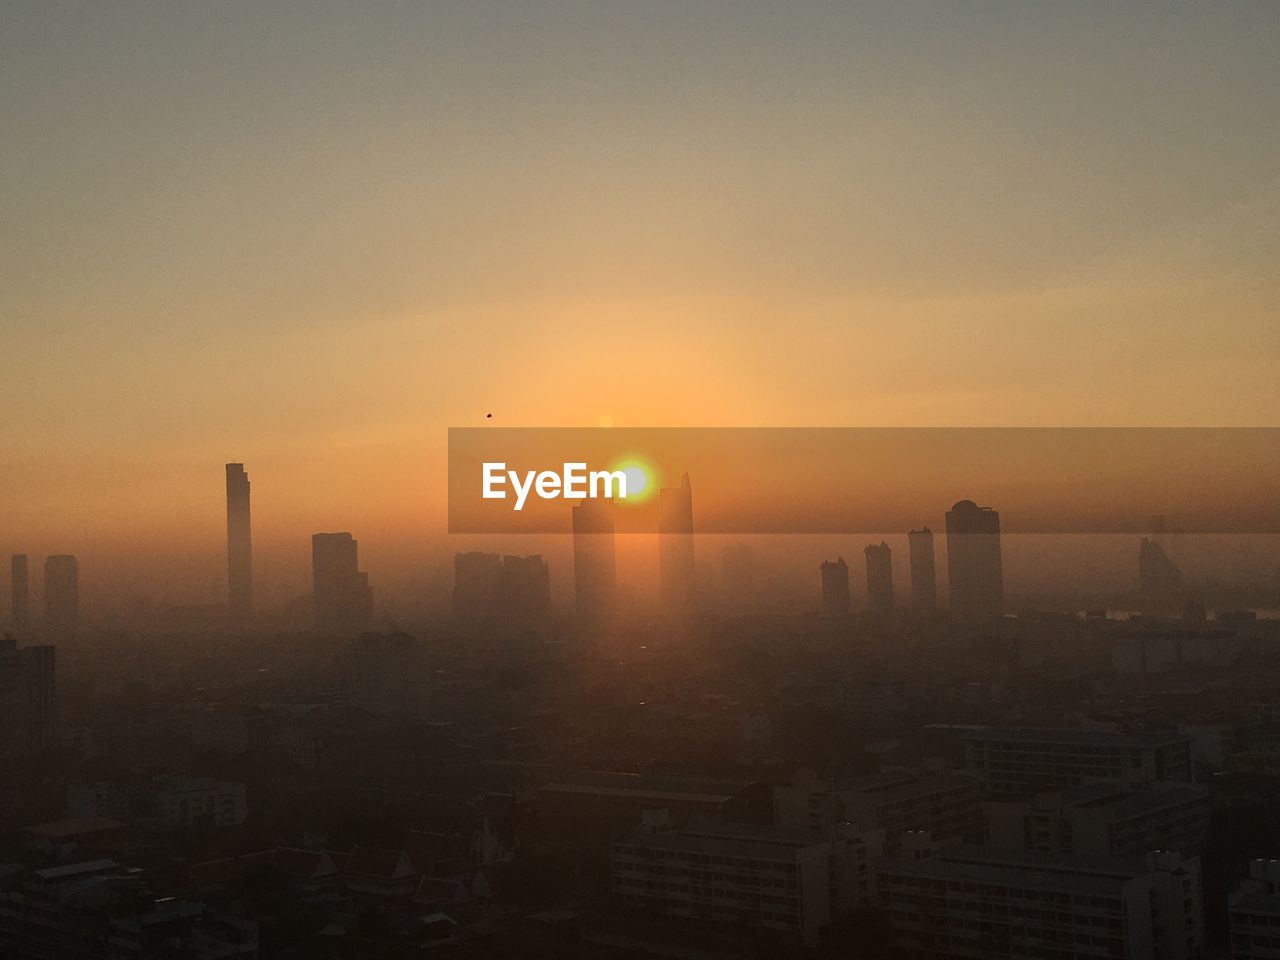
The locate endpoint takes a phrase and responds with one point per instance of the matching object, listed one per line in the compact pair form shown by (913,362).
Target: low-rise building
(949,806)
(1254,913)
(1103,819)
(796,881)
(1021,761)
(980,902)
(592,807)
(99,908)
(164,802)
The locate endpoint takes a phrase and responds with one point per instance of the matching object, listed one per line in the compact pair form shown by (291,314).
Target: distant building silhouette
(341,592)
(879,578)
(489,588)
(19,594)
(61,596)
(737,570)
(239,544)
(974,566)
(677,576)
(924,577)
(595,583)
(835,588)
(1161,580)
(26,699)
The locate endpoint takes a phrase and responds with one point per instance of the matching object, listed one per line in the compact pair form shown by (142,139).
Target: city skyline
(997,261)
(659,570)
(572,479)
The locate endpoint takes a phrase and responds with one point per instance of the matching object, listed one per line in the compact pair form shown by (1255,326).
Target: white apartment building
(796,881)
(1020,761)
(1254,912)
(988,904)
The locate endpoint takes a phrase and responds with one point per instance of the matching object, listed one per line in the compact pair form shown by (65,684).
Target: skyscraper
(924,578)
(835,588)
(239,544)
(879,578)
(19,593)
(61,596)
(595,584)
(973,562)
(341,592)
(676,572)
(26,698)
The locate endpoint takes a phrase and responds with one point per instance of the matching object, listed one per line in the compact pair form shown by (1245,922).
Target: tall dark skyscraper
(835,588)
(973,562)
(341,592)
(677,576)
(26,699)
(19,593)
(879,578)
(595,572)
(924,577)
(239,544)
(61,596)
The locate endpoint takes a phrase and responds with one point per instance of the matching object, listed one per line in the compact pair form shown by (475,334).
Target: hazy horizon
(312,240)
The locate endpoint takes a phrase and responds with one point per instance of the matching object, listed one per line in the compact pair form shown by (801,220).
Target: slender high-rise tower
(974,567)
(595,574)
(676,571)
(19,593)
(61,596)
(879,578)
(924,577)
(239,544)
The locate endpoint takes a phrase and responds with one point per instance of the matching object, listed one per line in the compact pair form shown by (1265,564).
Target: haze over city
(943,337)
(312,240)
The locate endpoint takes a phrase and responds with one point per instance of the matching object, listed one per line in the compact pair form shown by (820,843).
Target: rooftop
(1021,869)
(893,786)
(1075,736)
(687,789)
(729,839)
(75,827)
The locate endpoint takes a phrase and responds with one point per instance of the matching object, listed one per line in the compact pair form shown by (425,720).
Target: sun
(642,480)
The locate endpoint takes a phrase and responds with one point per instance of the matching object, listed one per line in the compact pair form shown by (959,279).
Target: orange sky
(313,240)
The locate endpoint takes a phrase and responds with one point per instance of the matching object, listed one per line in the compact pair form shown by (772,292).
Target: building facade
(1021,761)
(795,881)
(975,571)
(239,544)
(971,901)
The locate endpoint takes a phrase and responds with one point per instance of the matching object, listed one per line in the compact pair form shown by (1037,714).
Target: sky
(313,236)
